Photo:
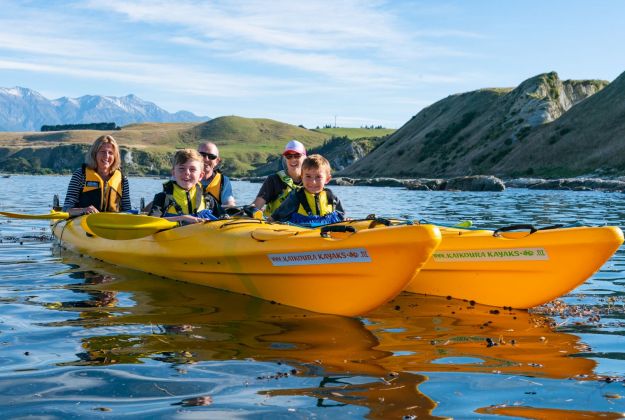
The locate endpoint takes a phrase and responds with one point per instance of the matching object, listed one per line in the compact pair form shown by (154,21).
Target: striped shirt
(77,182)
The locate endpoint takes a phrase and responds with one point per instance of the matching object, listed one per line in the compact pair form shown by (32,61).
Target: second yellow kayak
(519,269)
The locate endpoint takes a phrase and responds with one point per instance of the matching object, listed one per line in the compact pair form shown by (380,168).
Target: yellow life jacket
(289,186)
(214,187)
(315,204)
(105,196)
(179,201)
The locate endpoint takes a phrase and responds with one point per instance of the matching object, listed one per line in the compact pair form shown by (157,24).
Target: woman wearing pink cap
(277,186)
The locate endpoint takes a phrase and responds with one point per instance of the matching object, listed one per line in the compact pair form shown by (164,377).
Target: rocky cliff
(588,139)
(471,133)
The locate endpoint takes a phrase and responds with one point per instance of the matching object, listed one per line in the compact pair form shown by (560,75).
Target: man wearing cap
(277,186)
(216,185)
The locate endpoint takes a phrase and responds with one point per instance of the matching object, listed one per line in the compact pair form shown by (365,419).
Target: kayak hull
(515,269)
(342,273)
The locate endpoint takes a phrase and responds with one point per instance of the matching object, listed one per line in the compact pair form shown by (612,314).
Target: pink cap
(294,146)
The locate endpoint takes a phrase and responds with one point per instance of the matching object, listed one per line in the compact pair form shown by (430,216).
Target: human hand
(188,219)
(90,210)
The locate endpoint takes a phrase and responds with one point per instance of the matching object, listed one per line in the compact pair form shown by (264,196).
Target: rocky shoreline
(481,183)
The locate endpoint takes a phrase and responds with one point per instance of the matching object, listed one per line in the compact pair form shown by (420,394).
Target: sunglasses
(209,155)
(290,156)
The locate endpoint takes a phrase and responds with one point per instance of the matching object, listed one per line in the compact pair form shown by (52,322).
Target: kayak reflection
(377,361)
(429,333)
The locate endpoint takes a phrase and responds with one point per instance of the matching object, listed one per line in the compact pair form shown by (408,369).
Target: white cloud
(161,76)
(245,53)
(285,24)
(328,30)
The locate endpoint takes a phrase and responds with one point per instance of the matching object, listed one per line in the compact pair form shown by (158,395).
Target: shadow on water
(378,362)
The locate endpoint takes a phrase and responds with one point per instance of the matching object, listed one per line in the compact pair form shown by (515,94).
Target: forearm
(259,202)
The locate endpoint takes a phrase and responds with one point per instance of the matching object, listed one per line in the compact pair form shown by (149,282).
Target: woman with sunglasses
(277,186)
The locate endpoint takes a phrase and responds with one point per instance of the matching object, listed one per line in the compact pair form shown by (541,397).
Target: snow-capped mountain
(23,109)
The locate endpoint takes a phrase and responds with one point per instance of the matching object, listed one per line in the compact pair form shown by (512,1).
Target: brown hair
(317,162)
(92,155)
(182,156)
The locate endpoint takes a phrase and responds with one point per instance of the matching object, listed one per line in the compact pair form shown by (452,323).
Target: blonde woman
(99,184)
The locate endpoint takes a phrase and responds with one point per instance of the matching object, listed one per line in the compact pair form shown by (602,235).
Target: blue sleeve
(206,214)
(314,221)
(226,191)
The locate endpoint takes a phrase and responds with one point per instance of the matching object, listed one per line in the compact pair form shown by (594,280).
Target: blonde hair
(91,160)
(317,162)
(182,156)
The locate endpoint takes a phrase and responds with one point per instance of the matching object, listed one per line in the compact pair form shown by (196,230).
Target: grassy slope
(244,143)
(356,133)
(158,136)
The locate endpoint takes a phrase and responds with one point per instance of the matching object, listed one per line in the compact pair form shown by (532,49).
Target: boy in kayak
(313,205)
(182,199)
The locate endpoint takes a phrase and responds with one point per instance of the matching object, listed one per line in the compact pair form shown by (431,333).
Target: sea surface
(83,339)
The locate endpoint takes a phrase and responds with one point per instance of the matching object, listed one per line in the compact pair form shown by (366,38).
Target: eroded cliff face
(470,133)
(545,98)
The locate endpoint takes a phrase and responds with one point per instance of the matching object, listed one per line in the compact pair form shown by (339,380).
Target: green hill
(244,144)
(248,143)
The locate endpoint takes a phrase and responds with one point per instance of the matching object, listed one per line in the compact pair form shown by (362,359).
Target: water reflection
(89,280)
(377,362)
(137,345)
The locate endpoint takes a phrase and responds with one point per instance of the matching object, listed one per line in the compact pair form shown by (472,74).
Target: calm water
(80,338)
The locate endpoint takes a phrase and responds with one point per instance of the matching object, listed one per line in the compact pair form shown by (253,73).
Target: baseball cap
(295,147)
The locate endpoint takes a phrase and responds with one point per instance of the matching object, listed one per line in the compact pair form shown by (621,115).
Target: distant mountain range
(23,109)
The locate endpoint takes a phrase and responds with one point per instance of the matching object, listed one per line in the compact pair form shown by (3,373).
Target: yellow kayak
(343,273)
(517,269)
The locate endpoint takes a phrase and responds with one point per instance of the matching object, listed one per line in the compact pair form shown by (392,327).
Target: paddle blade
(122,226)
(51,215)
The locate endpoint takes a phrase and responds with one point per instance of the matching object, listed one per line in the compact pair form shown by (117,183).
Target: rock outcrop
(574,184)
(475,132)
(475,183)
(466,183)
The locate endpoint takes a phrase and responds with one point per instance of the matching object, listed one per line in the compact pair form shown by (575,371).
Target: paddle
(51,215)
(123,226)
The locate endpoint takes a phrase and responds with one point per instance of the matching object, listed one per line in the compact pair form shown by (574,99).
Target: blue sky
(303,62)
